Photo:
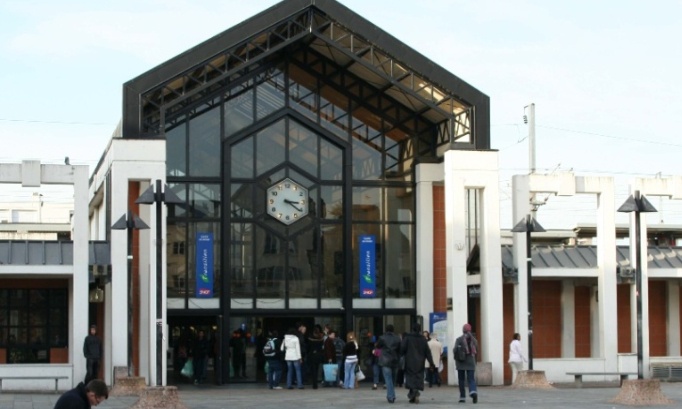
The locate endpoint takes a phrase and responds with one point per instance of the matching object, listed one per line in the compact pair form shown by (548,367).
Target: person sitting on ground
(84,396)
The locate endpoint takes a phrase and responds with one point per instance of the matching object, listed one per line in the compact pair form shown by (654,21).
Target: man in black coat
(92,350)
(416,352)
(83,396)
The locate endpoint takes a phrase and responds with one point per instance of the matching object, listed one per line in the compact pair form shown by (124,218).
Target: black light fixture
(638,204)
(158,196)
(130,222)
(529,225)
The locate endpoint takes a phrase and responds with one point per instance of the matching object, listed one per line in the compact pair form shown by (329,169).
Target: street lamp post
(130,222)
(638,204)
(158,197)
(529,225)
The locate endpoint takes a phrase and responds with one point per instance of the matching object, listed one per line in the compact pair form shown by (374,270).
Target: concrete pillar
(567,319)
(520,208)
(426,174)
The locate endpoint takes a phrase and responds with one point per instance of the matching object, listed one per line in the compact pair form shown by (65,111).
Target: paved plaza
(258,396)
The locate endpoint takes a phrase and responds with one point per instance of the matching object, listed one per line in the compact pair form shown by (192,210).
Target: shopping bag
(266,368)
(330,371)
(359,375)
(188,369)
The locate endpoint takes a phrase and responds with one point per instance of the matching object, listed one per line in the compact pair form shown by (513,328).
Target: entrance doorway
(183,332)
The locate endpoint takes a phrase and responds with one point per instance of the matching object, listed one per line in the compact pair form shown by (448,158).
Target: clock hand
(292,204)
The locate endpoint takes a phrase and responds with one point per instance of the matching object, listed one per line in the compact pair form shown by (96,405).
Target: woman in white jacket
(516,357)
(292,355)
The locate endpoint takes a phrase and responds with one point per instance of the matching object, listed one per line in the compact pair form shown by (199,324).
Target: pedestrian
(516,357)
(339,344)
(373,362)
(465,350)
(350,359)
(273,356)
(84,396)
(238,345)
(330,355)
(388,360)
(92,349)
(292,355)
(303,341)
(416,352)
(315,355)
(199,357)
(436,347)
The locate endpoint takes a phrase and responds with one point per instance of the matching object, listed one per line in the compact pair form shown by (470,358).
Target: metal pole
(159,289)
(638,289)
(130,226)
(529,226)
(531,138)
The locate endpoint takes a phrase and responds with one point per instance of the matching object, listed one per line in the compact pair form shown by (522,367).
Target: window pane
(270,265)
(205,200)
(303,147)
(270,147)
(238,110)
(204,144)
(331,161)
(367,204)
(366,160)
(332,260)
(302,92)
(176,145)
(241,261)
(241,203)
(241,159)
(331,206)
(399,204)
(303,266)
(177,260)
(400,275)
(270,95)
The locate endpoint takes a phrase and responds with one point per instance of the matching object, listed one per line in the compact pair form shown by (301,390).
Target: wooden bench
(55,377)
(579,376)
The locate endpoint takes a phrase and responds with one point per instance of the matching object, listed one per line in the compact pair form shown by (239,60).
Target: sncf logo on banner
(368,282)
(204,264)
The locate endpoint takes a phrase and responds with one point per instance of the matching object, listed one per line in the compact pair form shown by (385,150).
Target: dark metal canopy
(461,112)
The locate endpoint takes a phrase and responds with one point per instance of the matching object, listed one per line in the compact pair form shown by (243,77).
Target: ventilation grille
(667,371)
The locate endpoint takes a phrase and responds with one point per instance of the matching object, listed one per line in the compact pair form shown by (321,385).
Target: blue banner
(204,264)
(368,282)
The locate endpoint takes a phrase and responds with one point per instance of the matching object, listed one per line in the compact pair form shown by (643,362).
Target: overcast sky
(605,77)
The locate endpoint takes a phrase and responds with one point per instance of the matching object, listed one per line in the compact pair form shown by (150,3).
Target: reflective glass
(241,260)
(331,202)
(204,200)
(399,204)
(400,275)
(270,262)
(331,161)
(176,250)
(238,111)
(241,159)
(178,210)
(366,159)
(303,147)
(333,271)
(176,145)
(303,266)
(367,204)
(204,143)
(241,200)
(270,144)
(270,95)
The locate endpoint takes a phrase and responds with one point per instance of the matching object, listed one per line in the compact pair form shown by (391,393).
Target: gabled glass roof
(460,111)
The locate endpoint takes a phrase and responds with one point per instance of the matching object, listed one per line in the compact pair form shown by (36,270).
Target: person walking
(292,355)
(339,344)
(436,348)
(417,353)
(516,357)
(315,355)
(273,357)
(388,360)
(92,350)
(465,350)
(199,357)
(330,355)
(84,396)
(350,359)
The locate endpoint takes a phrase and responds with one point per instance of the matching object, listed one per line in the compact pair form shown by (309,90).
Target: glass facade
(334,135)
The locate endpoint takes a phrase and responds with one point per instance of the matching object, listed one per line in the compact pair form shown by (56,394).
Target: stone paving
(258,396)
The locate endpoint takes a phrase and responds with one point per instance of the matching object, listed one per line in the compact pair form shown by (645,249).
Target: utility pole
(530,120)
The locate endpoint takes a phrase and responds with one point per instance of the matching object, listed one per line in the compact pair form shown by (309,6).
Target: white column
(425,175)
(520,208)
(567,319)
(595,332)
(455,254)
(673,317)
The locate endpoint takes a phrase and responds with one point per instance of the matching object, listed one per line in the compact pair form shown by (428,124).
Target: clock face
(287,201)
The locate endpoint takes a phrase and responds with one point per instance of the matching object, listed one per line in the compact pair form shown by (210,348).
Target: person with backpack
(465,350)
(273,357)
